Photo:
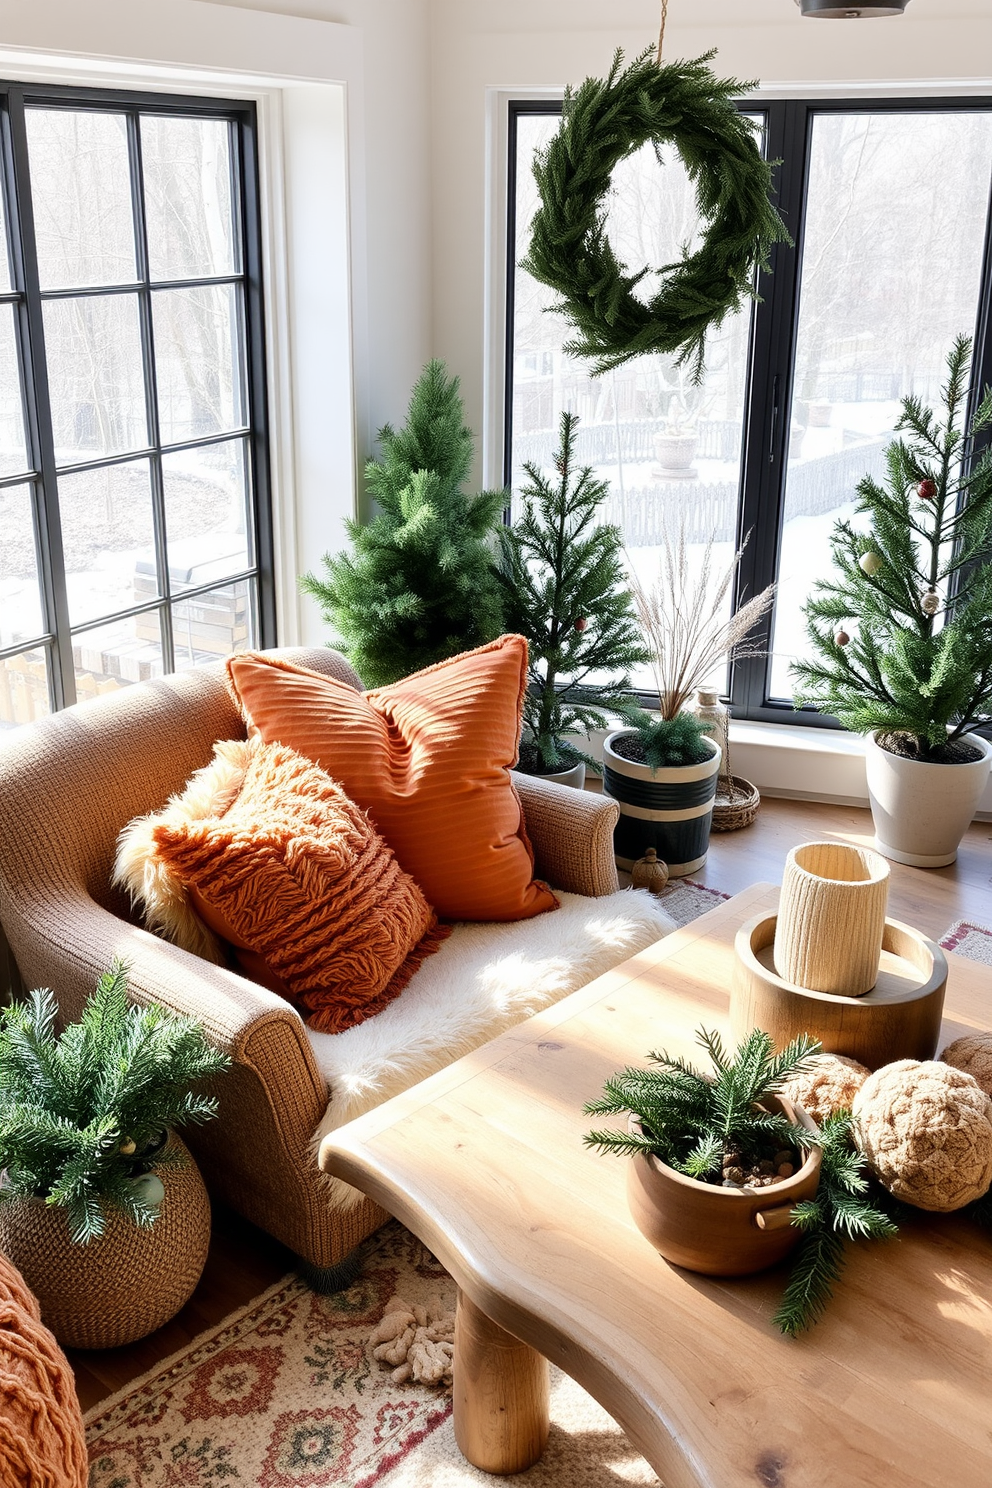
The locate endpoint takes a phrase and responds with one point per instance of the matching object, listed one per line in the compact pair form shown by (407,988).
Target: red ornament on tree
(842,638)
(581,624)
(926,490)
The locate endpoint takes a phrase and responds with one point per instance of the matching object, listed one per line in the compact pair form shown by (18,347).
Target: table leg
(500,1394)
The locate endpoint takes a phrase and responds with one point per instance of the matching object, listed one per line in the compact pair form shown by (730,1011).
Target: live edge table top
(485,1163)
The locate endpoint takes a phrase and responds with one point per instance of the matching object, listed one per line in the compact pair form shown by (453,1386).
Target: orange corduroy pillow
(294,874)
(428,757)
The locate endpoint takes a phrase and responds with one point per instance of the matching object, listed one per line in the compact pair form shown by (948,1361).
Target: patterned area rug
(286,1394)
(970,939)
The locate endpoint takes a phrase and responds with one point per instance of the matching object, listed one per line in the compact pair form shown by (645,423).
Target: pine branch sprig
(79,1112)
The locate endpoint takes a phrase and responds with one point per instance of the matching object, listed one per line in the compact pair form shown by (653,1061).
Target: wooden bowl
(898,1019)
(720,1231)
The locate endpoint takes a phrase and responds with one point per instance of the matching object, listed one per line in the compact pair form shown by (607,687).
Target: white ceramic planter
(921,811)
(574,776)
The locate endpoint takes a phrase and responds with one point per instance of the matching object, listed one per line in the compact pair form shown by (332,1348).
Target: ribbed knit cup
(828,937)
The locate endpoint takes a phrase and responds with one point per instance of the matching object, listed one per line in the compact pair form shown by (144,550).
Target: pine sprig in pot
(84,1115)
(716,1128)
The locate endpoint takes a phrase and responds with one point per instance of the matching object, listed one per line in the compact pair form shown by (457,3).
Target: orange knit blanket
(41,1428)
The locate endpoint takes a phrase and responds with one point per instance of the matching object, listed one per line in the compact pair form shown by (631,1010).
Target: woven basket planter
(731,812)
(125,1284)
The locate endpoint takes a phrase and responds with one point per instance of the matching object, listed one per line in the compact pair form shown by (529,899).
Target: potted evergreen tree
(902,636)
(663,769)
(419,583)
(728,1176)
(564,589)
(102,1209)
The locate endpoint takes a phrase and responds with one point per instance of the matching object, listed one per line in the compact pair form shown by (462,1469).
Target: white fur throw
(483,979)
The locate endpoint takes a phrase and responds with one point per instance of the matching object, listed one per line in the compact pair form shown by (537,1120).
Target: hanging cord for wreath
(604,121)
(661,33)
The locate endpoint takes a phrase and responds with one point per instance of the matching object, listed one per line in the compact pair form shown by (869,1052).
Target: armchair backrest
(70,782)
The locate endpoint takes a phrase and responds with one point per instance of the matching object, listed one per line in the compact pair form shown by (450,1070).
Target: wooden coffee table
(485,1163)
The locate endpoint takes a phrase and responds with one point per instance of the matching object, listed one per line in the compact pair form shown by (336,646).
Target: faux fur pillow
(291,873)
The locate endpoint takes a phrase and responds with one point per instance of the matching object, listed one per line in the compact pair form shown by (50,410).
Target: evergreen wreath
(604,121)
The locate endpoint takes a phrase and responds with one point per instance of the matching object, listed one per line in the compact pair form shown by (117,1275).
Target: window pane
(24,689)
(213,624)
(20,595)
(109,539)
(81,190)
(13,452)
(206,513)
(188,207)
(670,451)
(115,655)
(95,376)
(892,258)
(198,361)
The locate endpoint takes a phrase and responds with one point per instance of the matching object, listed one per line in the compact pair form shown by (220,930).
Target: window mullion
(156,479)
(244,167)
(38,419)
(770,412)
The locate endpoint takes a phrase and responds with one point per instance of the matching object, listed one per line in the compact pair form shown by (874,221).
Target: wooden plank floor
(243,1261)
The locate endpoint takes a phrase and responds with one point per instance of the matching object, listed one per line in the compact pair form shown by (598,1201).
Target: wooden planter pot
(670,809)
(125,1284)
(720,1231)
(898,1019)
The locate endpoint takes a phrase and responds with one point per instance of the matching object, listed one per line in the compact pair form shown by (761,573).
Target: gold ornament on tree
(930,602)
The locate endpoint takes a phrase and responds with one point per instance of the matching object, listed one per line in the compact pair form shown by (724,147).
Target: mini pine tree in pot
(564,590)
(728,1178)
(419,583)
(902,635)
(101,1206)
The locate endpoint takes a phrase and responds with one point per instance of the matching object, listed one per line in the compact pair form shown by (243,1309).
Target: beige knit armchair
(68,784)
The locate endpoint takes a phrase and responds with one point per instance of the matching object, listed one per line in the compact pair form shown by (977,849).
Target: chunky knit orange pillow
(293,873)
(41,1428)
(428,757)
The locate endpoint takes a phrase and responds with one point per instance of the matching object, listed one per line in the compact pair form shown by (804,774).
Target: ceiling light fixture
(829,11)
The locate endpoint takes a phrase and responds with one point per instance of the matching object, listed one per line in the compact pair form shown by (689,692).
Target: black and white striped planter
(668,809)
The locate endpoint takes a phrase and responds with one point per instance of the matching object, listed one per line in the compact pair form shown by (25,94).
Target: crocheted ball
(829,1082)
(973,1054)
(926,1129)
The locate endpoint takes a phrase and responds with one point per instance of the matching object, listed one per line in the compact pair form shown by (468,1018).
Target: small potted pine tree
(729,1177)
(419,583)
(102,1209)
(902,635)
(564,589)
(663,769)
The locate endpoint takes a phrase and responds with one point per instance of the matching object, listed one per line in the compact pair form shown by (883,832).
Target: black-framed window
(135,526)
(888,203)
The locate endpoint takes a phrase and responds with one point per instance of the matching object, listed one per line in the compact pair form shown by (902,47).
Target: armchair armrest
(571,832)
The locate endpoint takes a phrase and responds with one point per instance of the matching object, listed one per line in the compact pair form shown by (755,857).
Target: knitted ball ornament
(926,1130)
(973,1054)
(828,1083)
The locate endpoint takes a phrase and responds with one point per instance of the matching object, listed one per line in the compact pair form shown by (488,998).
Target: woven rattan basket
(124,1285)
(730,813)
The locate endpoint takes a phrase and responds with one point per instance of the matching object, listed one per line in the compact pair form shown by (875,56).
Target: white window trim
(305,78)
